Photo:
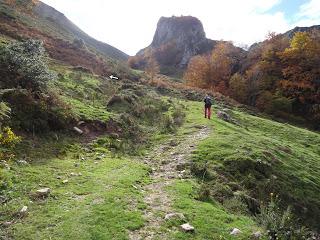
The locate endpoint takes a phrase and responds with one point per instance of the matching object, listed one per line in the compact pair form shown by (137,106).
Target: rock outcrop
(176,40)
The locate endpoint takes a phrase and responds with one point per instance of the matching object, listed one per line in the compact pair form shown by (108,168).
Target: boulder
(43,193)
(187,227)
(224,116)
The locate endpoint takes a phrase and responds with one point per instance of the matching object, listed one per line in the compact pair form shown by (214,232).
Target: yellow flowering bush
(8,138)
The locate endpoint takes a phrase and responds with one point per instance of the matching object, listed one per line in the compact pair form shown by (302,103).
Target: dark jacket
(207,102)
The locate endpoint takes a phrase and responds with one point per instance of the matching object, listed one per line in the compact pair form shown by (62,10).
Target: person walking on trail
(207,107)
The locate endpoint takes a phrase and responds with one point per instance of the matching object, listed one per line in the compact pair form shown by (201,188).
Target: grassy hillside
(104,190)
(98,144)
(258,157)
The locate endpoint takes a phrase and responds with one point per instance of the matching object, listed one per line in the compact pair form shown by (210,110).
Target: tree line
(279,76)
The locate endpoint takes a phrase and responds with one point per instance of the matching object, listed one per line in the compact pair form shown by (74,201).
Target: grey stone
(257,235)
(22,162)
(235,232)
(224,116)
(24,210)
(42,193)
(177,216)
(187,227)
(78,130)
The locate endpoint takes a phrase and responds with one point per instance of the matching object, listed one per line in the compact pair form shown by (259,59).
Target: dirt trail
(168,162)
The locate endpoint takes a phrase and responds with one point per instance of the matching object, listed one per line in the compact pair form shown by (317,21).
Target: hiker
(207,106)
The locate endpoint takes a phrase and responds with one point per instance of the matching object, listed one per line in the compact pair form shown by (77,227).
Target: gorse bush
(24,65)
(8,138)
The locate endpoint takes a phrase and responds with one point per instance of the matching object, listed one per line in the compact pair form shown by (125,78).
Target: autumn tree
(220,65)
(152,68)
(198,72)
(301,72)
(213,71)
(239,88)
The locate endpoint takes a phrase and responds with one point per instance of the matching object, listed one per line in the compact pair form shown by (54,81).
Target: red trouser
(207,112)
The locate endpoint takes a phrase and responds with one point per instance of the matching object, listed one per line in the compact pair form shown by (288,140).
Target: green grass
(210,220)
(261,156)
(101,203)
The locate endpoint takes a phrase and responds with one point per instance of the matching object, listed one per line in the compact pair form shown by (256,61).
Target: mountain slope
(62,39)
(59,21)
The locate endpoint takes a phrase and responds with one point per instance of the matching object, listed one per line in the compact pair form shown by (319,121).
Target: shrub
(236,205)
(4,112)
(8,138)
(37,114)
(280,224)
(23,65)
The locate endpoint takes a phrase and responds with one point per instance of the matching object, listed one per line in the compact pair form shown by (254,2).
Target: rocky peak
(177,39)
(185,30)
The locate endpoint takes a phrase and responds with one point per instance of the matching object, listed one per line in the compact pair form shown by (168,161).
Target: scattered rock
(81,123)
(7,224)
(76,164)
(181,166)
(43,193)
(73,174)
(257,235)
(65,181)
(174,216)
(235,232)
(24,210)
(59,177)
(187,227)
(78,130)
(22,162)
(224,116)
(173,143)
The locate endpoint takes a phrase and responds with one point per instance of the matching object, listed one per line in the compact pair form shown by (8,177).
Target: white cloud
(130,24)
(309,14)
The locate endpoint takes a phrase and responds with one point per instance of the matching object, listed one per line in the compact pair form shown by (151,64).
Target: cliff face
(177,39)
(291,32)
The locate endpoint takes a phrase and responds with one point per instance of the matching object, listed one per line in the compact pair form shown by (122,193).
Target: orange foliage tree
(213,71)
(198,72)
(301,72)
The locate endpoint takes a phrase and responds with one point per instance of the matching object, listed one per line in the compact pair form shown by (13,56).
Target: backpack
(208,101)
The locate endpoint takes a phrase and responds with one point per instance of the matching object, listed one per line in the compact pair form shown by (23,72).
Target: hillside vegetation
(83,156)
(279,76)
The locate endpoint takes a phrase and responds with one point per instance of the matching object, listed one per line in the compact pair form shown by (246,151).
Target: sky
(129,25)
